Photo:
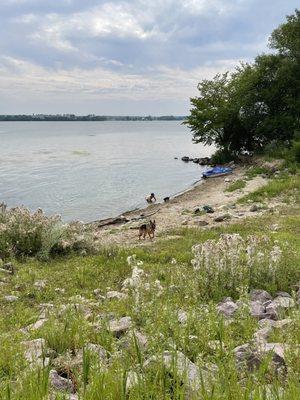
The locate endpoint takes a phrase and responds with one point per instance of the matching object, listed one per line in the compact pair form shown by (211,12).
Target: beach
(180,210)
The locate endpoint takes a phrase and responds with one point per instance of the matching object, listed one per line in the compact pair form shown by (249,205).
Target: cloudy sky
(124,57)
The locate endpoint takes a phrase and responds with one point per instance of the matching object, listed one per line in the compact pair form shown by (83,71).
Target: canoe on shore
(217,171)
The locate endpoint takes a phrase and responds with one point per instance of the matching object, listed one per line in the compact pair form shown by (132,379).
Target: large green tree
(256,104)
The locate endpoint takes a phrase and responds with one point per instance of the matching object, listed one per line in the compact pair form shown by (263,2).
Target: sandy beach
(180,210)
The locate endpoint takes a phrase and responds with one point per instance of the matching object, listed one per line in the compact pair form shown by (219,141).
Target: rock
(119,327)
(10,268)
(208,209)
(40,285)
(223,217)
(283,294)
(256,309)
(98,295)
(254,208)
(35,351)
(115,295)
(227,307)
(227,180)
(283,302)
(202,223)
(11,298)
(59,383)
(263,334)
(260,295)
(271,310)
(191,375)
(253,355)
(135,337)
(98,351)
(182,317)
(185,158)
(36,325)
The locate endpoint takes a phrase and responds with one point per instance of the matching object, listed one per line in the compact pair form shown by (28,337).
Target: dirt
(179,211)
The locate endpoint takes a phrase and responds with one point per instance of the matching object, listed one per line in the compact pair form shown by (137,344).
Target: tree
(255,105)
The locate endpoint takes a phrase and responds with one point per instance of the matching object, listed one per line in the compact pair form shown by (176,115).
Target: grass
(238,184)
(276,187)
(172,285)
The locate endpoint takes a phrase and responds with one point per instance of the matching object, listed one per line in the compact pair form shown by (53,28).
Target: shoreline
(180,212)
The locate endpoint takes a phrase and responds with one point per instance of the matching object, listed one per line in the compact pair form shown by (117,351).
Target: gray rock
(283,294)
(263,334)
(98,351)
(202,223)
(120,326)
(40,285)
(254,208)
(223,217)
(190,374)
(59,383)
(257,309)
(36,325)
(260,295)
(11,298)
(115,295)
(35,351)
(227,307)
(182,317)
(284,302)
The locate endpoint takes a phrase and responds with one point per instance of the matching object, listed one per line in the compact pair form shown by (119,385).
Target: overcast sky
(124,57)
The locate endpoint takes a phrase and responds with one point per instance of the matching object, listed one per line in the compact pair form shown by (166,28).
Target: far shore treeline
(90,117)
(257,107)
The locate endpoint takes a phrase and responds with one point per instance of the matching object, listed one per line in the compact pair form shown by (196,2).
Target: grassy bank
(171,298)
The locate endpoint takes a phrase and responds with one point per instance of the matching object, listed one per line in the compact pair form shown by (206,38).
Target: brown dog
(147,229)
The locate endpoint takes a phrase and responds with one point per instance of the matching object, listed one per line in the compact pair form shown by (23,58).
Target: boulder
(227,307)
(283,302)
(177,364)
(36,325)
(35,351)
(185,158)
(60,383)
(257,309)
(120,326)
(260,295)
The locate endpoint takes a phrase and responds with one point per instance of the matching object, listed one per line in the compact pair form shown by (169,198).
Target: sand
(179,211)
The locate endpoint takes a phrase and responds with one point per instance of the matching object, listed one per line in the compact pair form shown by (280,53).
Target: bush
(222,156)
(33,234)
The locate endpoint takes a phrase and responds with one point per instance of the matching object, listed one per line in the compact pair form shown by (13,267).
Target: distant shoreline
(85,118)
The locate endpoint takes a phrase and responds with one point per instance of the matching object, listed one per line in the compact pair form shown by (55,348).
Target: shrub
(33,234)
(222,156)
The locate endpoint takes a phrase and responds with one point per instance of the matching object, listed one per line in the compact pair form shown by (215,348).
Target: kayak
(217,171)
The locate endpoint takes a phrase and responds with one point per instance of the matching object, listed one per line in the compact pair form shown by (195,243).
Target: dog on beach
(148,228)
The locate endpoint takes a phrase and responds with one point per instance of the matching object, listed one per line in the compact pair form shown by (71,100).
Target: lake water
(94,170)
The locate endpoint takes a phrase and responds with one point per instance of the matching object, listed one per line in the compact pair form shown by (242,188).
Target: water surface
(93,170)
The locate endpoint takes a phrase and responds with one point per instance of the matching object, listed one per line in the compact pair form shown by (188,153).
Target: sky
(134,57)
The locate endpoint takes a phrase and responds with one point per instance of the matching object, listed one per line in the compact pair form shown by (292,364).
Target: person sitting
(151,198)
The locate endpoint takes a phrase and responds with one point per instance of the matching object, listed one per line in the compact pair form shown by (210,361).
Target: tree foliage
(256,104)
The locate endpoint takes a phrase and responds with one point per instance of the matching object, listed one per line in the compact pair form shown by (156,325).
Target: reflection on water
(91,170)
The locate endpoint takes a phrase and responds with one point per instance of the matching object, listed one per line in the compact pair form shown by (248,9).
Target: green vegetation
(33,234)
(238,184)
(171,298)
(256,106)
(274,188)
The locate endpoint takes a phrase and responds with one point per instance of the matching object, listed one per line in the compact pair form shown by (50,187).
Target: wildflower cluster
(231,263)
(23,233)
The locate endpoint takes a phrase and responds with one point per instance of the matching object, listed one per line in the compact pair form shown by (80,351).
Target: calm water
(91,170)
